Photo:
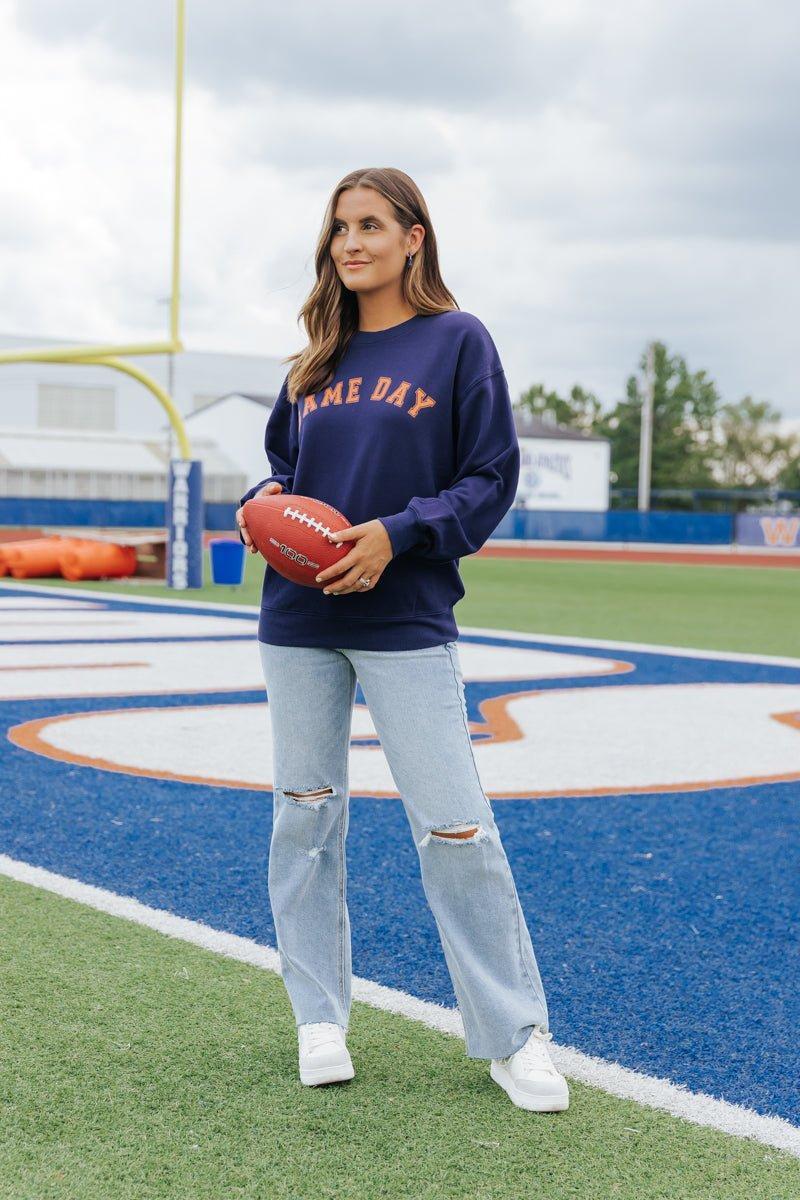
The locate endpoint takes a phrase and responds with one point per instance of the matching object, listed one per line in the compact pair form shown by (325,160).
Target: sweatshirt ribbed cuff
(404,529)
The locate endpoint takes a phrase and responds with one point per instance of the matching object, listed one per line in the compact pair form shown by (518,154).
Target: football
(293,534)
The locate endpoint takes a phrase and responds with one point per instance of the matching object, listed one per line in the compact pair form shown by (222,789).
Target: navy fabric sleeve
(459,519)
(280,444)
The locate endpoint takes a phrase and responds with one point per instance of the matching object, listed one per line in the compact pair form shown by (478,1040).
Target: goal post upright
(180,61)
(184,506)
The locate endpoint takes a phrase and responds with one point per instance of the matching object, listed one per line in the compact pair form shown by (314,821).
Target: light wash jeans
(417,704)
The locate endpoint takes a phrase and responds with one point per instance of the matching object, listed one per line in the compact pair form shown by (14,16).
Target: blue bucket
(227,560)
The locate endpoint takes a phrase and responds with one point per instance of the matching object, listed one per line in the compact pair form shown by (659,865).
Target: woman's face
(367,234)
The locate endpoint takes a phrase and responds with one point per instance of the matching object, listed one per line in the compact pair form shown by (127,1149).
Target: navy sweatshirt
(415,429)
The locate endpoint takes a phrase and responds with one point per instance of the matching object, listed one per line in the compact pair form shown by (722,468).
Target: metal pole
(646,434)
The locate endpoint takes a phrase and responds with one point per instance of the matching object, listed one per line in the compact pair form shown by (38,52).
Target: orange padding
(37,557)
(72,558)
(98,560)
(21,544)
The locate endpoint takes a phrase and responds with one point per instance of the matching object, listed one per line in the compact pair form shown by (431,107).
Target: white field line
(188,602)
(776,660)
(611,1077)
(467,630)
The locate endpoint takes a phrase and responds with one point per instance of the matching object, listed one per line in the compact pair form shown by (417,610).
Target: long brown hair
(330,313)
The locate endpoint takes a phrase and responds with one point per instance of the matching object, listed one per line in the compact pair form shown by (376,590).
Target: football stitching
(295,515)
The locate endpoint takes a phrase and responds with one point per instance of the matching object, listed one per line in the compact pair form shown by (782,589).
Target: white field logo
(530,742)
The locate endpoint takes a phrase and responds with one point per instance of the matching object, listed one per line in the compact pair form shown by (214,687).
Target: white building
(79,396)
(561,469)
(235,424)
(69,464)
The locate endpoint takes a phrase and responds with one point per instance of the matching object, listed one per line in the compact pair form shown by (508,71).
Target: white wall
(196,372)
(95,465)
(237,426)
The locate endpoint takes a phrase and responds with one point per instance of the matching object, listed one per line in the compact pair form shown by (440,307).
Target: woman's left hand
(368,557)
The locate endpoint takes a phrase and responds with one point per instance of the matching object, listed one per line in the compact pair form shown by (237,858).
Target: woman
(397,413)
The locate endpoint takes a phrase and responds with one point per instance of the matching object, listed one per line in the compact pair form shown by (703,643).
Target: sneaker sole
(552,1103)
(340,1073)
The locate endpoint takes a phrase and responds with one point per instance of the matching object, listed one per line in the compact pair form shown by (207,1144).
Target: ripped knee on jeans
(314,796)
(460,833)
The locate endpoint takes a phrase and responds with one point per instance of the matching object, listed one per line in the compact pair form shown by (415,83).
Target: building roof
(258,398)
(93,450)
(528,425)
(263,399)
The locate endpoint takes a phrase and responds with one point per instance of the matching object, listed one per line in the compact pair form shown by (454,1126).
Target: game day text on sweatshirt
(415,429)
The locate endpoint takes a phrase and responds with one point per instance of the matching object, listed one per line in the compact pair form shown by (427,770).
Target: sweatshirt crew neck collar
(374,337)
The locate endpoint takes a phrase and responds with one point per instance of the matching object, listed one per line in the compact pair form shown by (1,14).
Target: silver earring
(410,259)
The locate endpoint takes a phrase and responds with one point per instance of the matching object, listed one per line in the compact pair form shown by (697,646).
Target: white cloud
(597,175)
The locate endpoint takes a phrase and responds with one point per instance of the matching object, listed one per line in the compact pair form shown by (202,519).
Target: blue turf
(665,924)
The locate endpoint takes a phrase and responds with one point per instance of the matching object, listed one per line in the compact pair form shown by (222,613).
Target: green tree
(697,441)
(751,452)
(580,410)
(684,407)
(789,477)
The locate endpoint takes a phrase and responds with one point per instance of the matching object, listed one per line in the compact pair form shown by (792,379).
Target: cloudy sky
(597,174)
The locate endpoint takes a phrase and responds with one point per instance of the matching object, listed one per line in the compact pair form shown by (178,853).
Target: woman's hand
(368,557)
(271,489)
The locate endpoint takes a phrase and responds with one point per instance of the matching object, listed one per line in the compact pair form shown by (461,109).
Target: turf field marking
(159,601)
(681,737)
(26,603)
(465,630)
(696,1107)
(557,639)
(231,664)
(119,624)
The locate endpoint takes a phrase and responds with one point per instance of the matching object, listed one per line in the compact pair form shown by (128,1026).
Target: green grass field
(715,608)
(135,1066)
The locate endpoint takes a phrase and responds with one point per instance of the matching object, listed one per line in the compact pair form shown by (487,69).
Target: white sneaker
(324,1057)
(530,1078)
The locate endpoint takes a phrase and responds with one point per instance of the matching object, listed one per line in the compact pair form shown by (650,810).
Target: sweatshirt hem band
(279,628)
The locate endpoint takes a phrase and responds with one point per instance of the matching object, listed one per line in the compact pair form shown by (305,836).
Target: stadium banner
(184,521)
(779,530)
(618,525)
(560,473)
